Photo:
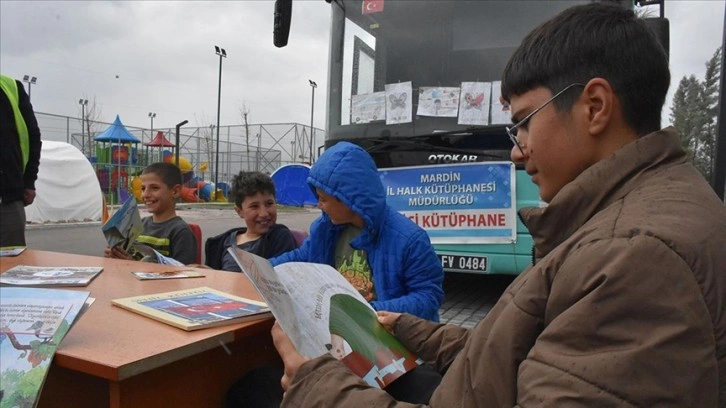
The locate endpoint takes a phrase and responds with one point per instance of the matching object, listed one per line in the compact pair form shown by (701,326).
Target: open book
(124,226)
(321,312)
(33,322)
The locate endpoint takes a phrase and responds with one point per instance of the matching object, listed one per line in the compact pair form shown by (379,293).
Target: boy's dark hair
(169,173)
(595,41)
(249,183)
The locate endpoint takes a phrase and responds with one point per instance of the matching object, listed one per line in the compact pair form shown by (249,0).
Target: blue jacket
(407,274)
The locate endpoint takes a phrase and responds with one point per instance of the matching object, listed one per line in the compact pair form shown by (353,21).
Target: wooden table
(115,358)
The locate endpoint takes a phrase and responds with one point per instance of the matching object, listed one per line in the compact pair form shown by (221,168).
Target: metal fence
(253,147)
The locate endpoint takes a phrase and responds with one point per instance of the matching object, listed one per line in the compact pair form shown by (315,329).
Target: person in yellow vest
(19,159)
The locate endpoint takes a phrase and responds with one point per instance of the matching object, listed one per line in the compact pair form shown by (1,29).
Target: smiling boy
(624,305)
(163,230)
(253,194)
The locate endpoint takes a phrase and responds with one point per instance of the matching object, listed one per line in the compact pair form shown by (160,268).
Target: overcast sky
(138,57)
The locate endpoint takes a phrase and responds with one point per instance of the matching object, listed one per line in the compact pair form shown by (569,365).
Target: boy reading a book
(253,193)
(384,255)
(163,230)
(624,304)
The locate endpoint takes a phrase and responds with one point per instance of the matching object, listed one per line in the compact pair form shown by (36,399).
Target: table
(115,358)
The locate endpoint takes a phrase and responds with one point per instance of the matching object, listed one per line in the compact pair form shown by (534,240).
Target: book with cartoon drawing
(321,312)
(33,322)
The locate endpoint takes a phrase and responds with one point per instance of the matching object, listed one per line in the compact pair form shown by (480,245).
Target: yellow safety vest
(10,87)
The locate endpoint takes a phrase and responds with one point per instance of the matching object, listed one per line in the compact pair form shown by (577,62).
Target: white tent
(67,188)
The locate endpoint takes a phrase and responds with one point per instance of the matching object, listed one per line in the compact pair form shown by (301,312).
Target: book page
(321,312)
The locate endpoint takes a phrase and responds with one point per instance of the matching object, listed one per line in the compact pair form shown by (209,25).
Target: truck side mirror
(281,29)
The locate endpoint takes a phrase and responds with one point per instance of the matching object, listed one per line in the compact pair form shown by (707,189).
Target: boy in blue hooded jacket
(387,257)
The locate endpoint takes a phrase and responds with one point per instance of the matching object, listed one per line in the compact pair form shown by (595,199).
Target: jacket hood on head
(348,173)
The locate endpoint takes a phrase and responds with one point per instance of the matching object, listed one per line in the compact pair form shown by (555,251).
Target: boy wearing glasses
(625,303)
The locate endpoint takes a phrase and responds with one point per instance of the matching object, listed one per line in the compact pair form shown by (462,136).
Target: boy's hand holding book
(290,356)
(117,252)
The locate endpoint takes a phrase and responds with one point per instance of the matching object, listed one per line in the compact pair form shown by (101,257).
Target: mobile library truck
(417,84)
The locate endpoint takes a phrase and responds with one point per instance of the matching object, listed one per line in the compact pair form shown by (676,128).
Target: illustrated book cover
(168,275)
(25,275)
(124,226)
(33,322)
(322,313)
(194,309)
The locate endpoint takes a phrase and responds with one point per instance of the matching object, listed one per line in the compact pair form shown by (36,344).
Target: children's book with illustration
(25,275)
(124,226)
(12,250)
(33,322)
(322,313)
(173,274)
(194,309)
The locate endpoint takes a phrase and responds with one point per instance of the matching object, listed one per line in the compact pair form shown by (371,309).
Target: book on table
(12,250)
(26,275)
(194,309)
(172,274)
(322,313)
(33,322)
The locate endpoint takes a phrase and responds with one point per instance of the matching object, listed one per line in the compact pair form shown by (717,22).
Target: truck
(415,83)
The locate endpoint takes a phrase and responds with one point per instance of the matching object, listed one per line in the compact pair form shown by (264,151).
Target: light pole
(152,115)
(176,141)
(83,103)
(222,54)
(313,85)
(31,81)
(292,147)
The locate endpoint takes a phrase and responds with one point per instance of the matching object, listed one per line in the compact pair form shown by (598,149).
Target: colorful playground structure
(118,163)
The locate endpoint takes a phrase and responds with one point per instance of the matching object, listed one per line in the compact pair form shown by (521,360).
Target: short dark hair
(595,40)
(249,183)
(169,173)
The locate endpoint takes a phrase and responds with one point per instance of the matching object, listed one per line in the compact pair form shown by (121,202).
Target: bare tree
(206,132)
(244,111)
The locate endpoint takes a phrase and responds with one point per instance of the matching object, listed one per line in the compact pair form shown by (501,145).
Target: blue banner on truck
(468,203)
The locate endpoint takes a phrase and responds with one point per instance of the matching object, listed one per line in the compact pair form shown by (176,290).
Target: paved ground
(468,298)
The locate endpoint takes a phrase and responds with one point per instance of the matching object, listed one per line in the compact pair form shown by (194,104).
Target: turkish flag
(372,6)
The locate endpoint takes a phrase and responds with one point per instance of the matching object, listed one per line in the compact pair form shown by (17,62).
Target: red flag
(372,6)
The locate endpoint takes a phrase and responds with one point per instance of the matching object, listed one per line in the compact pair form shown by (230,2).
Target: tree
(707,154)
(694,111)
(244,111)
(207,140)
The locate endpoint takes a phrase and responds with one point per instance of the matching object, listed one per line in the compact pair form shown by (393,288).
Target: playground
(120,157)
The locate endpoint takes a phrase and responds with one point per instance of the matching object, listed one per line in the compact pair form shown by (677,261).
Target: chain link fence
(252,147)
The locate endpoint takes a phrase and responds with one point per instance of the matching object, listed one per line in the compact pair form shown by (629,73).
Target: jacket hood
(348,173)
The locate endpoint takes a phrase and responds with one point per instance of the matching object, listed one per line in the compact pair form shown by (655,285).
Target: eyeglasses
(512,131)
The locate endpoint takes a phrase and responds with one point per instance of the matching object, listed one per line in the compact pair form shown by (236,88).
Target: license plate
(464,263)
